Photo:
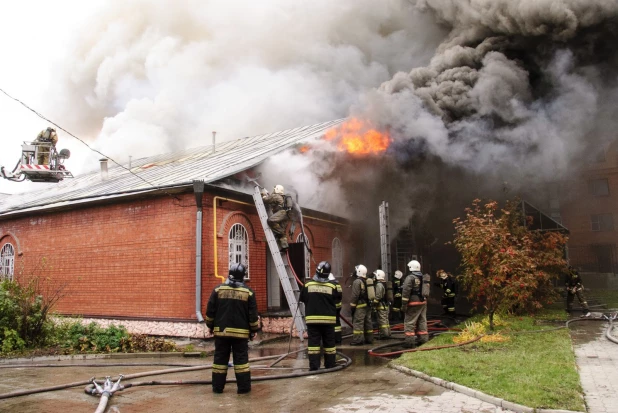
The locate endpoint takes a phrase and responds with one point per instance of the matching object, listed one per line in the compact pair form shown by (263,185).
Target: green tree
(506,266)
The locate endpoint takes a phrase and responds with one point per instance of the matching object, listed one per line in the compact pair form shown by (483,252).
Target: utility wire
(89,147)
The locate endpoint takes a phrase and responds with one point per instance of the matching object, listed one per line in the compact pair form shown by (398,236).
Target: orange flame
(358,137)
(304,148)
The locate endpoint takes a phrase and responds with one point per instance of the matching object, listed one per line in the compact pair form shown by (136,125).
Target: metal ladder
(385,242)
(286,276)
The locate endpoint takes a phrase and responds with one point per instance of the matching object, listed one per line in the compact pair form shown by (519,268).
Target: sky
(33,37)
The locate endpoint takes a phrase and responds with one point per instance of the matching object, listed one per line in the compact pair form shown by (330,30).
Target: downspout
(198,189)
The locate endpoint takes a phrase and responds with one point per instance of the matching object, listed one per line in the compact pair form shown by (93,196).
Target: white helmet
(380,276)
(331,277)
(361,271)
(398,274)
(279,189)
(414,265)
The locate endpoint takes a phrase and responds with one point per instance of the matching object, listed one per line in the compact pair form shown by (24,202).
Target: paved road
(597,360)
(366,386)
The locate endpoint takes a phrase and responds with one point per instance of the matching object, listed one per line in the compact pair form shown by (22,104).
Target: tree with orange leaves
(506,266)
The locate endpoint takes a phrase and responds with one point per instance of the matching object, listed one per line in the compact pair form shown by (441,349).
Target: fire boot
(410,342)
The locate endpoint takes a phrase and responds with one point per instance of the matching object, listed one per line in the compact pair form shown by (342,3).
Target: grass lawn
(536,370)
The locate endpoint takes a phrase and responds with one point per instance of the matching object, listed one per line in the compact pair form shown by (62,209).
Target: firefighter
(449,291)
(47,136)
(320,297)
(413,302)
(333,280)
(279,219)
(396,312)
(232,316)
(574,287)
(362,327)
(381,305)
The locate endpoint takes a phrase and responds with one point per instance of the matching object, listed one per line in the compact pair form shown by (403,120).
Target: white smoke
(148,77)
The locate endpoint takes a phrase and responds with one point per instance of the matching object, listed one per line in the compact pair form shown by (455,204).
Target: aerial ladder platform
(282,265)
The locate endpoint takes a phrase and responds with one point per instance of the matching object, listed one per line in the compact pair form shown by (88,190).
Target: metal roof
(165,171)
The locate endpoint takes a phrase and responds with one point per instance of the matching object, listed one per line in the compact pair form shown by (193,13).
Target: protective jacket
(276,201)
(449,287)
(397,290)
(380,301)
(320,297)
(359,294)
(232,310)
(573,280)
(412,290)
(47,136)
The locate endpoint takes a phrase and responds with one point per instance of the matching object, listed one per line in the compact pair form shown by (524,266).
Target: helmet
(380,276)
(398,274)
(323,269)
(361,271)
(331,277)
(279,189)
(238,272)
(414,265)
(442,274)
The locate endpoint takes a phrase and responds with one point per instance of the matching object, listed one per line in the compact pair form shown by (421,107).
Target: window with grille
(7,262)
(602,222)
(598,187)
(301,238)
(239,246)
(337,259)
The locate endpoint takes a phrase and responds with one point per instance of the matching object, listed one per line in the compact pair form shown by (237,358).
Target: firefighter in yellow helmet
(46,136)
(279,219)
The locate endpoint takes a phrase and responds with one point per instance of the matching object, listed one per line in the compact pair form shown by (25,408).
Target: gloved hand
(264,191)
(251,336)
(353,311)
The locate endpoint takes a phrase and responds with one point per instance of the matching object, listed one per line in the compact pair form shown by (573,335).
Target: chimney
(214,134)
(103,168)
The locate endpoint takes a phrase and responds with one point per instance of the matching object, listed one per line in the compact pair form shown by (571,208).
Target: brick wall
(136,259)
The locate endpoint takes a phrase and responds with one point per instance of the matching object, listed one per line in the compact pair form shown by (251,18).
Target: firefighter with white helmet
(279,219)
(333,280)
(414,305)
(380,304)
(396,311)
(362,326)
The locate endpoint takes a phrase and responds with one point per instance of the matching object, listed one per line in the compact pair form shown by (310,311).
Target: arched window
(7,262)
(301,238)
(239,246)
(337,259)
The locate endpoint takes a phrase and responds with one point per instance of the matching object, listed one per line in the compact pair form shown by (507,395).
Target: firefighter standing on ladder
(46,136)
(320,297)
(279,219)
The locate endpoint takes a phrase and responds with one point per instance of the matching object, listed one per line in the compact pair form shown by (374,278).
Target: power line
(88,146)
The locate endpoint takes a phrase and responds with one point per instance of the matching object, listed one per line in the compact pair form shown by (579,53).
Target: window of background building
(337,259)
(598,187)
(239,246)
(301,238)
(7,262)
(602,222)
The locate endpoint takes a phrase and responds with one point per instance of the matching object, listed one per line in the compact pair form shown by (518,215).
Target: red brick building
(125,250)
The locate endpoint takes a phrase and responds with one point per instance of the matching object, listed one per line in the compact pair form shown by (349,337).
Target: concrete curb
(475,393)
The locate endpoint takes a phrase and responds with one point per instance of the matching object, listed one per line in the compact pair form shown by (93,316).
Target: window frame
(234,242)
(7,261)
(306,245)
(593,186)
(596,221)
(337,262)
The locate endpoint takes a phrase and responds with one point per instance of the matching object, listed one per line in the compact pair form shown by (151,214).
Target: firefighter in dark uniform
(320,297)
(333,280)
(449,292)
(362,326)
(415,306)
(396,312)
(232,316)
(574,287)
(279,219)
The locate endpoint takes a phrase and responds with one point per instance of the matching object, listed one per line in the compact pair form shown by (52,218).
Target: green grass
(536,370)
